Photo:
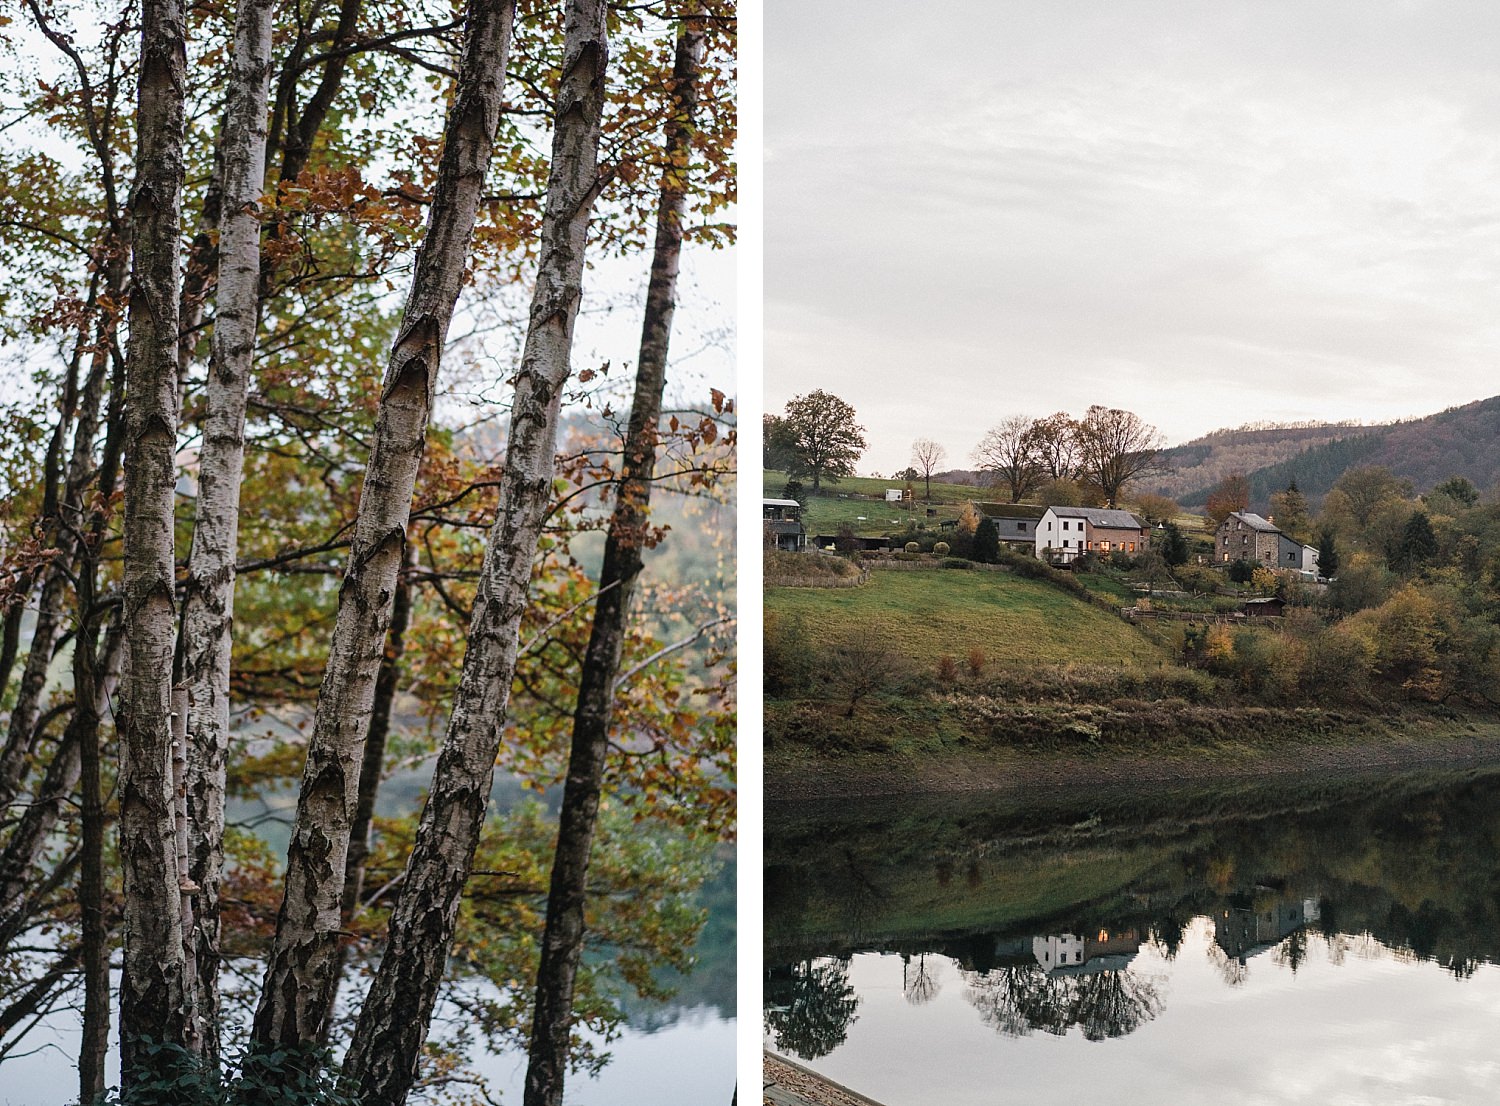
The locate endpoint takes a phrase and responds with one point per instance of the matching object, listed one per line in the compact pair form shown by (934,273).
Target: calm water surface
(1298,943)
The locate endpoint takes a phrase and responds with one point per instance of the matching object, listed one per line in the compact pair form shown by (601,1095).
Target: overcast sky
(1207,213)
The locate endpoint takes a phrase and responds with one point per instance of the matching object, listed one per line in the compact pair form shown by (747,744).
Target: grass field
(923,615)
(832,507)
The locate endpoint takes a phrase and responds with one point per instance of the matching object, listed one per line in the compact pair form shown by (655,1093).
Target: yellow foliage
(1218,648)
(968,522)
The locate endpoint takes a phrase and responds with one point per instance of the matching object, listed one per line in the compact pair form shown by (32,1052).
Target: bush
(941,549)
(1242,571)
(947,669)
(912,547)
(957,562)
(976,662)
(787,665)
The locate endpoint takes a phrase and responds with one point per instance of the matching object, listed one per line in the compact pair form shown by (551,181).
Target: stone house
(1244,535)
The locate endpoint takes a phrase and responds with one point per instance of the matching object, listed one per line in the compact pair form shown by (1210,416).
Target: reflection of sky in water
(1355,1025)
(688,1062)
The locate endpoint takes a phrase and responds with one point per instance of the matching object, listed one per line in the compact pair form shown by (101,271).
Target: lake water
(1294,943)
(680,1052)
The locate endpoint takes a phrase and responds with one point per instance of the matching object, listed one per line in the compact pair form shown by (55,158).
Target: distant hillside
(1461,441)
(1203,462)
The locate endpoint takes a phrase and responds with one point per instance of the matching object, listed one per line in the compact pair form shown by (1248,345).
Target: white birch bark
(155,992)
(301,977)
(208,602)
(382,1058)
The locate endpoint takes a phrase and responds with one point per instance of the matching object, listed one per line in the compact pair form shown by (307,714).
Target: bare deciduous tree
(926,456)
(1008,456)
(1114,447)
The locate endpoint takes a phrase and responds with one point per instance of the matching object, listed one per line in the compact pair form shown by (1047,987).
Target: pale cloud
(1208,213)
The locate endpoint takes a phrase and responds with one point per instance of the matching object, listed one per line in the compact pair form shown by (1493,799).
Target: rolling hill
(1461,441)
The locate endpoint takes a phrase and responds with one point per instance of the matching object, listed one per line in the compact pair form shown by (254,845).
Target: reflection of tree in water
(810,1006)
(1292,951)
(919,984)
(1233,969)
(1018,999)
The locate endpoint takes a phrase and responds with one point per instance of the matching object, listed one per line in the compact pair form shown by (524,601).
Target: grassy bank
(924,615)
(947,680)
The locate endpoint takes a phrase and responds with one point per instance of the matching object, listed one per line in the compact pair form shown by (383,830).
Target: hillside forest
(320,471)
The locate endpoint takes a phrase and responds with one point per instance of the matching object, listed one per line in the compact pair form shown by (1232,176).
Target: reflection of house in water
(1101,951)
(1244,927)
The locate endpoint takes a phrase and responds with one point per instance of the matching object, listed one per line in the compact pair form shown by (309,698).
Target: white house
(1067,532)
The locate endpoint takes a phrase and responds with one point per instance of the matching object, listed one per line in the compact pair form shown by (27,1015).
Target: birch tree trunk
(383,1056)
(208,601)
(301,977)
(380,728)
(562,940)
(67,499)
(155,993)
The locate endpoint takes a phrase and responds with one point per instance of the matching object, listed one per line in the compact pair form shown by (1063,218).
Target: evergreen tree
(1174,547)
(986,541)
(1328,553)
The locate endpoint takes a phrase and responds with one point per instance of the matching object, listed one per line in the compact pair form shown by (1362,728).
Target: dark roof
(1255,522)
(1010,510)
(784,526)
(1107,517)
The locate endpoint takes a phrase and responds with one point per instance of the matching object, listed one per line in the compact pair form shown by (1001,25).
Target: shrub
(787,664)
(957,562)
(912,547)
(976,662)
(1242,571)
(947,669)
(941,549)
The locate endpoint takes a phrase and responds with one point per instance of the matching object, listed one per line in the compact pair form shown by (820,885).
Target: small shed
(1270,607)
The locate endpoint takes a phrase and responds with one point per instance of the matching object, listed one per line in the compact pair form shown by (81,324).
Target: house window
(1132,547)
(1104,545)
(1020,528)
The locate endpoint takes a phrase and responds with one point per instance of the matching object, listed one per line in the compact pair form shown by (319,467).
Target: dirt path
(964,772)
(791,1084)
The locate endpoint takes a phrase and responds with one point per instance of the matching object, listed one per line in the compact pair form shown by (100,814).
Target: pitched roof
(779,503)
(1108,518)
(1255,522)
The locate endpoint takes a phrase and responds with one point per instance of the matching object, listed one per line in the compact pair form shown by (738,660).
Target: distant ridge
(1461,441)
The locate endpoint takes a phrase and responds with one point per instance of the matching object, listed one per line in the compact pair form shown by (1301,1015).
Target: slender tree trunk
(562,940)
(301,976)
(372,764)
(64,493)
(156,992)
(23,716)
(10,634)
(296,148)
(393,1022)
(95,927)
(208,600)
(380,728)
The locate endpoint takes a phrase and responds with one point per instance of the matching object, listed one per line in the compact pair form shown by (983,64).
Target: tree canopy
(820,436)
